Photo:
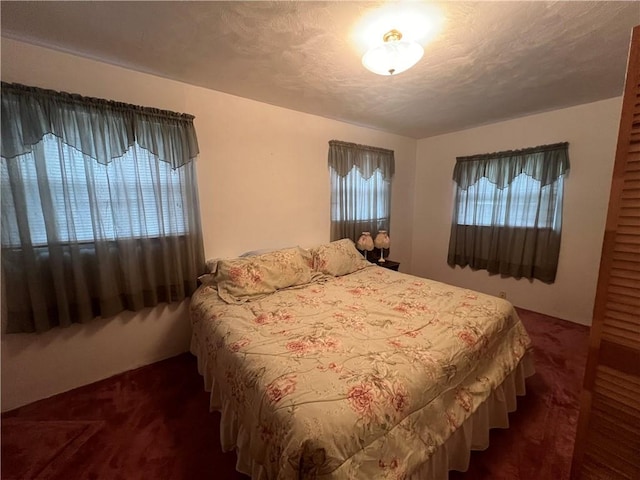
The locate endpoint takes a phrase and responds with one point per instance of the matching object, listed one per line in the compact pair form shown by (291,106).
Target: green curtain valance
(343,156)
(29,113)
(544,163)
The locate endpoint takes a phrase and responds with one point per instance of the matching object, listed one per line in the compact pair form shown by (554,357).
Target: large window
(360,189)
(371,198)
(122,190)
(518,205)
(507,216)
(99,208)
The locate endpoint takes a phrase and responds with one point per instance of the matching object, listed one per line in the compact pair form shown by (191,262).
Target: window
(507,215)
(372,198)
(132,178)
(360,189)
(99,208)
(518,205)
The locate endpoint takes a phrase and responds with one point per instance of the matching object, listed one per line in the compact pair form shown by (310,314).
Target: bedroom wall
(591,131)
(263,183)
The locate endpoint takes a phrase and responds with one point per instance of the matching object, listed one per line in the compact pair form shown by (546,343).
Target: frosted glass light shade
(393,57)
(365,242)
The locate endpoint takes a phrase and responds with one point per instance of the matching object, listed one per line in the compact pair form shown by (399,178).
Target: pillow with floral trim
(338,258)
(249,278)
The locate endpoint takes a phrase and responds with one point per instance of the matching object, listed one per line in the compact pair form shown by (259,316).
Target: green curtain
(360,189)
(100,208)
(507,216)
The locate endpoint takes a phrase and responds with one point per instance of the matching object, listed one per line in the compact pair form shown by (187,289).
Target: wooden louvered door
(608,437)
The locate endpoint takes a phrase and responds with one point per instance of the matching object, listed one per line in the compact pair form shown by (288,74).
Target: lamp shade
(393,56)
(365,242)
(382,240)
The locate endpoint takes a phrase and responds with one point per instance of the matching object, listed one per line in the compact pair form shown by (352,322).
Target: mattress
(374,374)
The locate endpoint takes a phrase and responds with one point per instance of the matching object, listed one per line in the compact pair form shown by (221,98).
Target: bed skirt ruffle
(473,434)
(454,454)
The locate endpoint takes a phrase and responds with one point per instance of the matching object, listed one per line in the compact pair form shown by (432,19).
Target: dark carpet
(154,423)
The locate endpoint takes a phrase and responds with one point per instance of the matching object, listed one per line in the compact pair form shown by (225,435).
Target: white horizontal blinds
(133,196)
(523,203)
(608,441)
(362,199)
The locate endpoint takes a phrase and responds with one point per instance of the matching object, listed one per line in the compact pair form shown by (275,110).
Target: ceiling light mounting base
(392,36)
(393,56)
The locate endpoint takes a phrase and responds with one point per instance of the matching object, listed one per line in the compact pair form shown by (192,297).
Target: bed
(325,366)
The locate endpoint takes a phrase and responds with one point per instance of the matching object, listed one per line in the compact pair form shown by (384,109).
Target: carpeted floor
(154,423)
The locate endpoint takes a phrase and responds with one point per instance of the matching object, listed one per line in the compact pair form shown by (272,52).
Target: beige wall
(263,183)
(591,131)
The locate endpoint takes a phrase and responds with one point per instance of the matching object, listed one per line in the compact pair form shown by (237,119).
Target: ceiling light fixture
(393,56)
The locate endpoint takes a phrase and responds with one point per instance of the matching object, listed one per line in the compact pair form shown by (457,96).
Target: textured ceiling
(491,61)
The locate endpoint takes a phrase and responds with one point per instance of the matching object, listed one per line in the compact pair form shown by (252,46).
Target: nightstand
(390,264)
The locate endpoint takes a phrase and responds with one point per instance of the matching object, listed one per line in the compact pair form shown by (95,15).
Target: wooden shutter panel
(608,438)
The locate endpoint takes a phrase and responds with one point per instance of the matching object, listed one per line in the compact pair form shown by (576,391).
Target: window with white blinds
(133,196)
(100,209)
(507,214)
(361,177)
(370,197)
(517,205)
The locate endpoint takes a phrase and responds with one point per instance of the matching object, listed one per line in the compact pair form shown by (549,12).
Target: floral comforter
(359,376)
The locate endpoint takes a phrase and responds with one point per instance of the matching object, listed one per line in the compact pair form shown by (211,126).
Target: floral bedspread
(360,376)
